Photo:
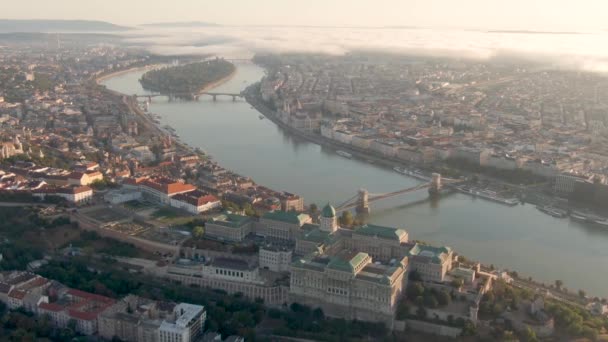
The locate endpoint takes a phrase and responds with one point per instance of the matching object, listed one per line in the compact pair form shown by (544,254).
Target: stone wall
(429,328)
(272,295)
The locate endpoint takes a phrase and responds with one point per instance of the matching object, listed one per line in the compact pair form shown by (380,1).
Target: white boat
(344,154)
(555,212)
(603,222)
(578,216)
(400,170)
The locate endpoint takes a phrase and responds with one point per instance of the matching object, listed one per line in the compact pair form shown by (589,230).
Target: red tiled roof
(168,186)
(38,282)
(196,198)
(76,175)
(84,316)
(51,307)
(18,294)
(93,173)
(89,296)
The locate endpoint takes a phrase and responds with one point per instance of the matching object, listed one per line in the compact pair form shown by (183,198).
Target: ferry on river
(555,212)
(589,218)
(344,154)
(415,174)
(488,195)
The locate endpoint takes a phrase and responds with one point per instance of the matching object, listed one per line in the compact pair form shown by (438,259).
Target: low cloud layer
(582,50)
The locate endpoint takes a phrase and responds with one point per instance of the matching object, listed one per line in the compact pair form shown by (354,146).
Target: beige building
(349,285)
(431,262)
(228,227)
(283,225)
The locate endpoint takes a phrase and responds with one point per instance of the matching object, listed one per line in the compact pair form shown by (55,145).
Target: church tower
(329,220)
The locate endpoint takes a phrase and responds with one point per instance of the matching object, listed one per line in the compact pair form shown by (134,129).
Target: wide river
(519,238)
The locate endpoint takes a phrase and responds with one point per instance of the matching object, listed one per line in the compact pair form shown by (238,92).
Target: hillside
(10,25)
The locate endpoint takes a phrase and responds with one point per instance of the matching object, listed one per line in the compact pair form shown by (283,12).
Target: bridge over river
(360,202)
(194,96)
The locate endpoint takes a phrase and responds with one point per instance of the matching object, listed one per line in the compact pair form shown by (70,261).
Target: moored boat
(344,154)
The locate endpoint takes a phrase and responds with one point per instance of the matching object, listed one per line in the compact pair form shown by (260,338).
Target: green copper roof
(381,232)
(287,216)
(341,264)
(436,254)
(328,211)
(231,220)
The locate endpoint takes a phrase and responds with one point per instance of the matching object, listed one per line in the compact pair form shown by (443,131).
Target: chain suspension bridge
(361,201)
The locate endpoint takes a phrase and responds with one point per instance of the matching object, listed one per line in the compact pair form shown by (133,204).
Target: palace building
(359,273)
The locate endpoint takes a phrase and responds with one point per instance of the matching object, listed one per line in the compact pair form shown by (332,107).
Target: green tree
(403,310)
(457,282)
(559,284)
(318,314)
(421,312)
(414,290)
(430,301)
(313,209)
(469,329)
(414,275)
(198,232)
(529,335)
(347,219)
(443,297)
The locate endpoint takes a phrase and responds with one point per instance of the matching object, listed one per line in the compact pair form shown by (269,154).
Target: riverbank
(104,77)
(219,82)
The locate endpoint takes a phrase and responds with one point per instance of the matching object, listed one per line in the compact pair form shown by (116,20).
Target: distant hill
(10,25)
(181,24)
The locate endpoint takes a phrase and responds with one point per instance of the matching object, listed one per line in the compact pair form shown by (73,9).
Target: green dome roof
(329,211)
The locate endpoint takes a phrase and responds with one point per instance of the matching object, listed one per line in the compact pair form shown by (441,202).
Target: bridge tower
(363,202)
(435,184)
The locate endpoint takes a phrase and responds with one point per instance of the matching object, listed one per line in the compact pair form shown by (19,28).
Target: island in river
(186,81)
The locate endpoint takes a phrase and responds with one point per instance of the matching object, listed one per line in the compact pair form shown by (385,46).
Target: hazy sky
(508,14)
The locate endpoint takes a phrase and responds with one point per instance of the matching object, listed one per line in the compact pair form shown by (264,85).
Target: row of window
(229,273)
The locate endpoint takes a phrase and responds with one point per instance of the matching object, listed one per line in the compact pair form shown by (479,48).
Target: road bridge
(361,201)
(194,96)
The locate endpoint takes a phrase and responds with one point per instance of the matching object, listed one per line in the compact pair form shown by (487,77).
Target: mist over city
(341,170)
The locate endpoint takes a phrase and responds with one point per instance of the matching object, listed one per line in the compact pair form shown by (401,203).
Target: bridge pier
(363,202)
(214,98)
(233,98)
(436,185)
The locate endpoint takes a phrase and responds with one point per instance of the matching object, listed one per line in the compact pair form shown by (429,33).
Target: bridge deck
(196,94)
(349,205)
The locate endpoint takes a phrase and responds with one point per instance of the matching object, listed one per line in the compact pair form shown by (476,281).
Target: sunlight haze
(515,14)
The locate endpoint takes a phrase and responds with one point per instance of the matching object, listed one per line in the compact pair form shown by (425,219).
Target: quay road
(25,204)
(254,100)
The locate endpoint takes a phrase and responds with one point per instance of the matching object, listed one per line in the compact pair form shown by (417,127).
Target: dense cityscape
(113,228)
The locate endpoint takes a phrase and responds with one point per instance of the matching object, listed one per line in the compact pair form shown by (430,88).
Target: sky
(489,14)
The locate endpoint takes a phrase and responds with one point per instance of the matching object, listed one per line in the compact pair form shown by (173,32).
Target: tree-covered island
(187,80)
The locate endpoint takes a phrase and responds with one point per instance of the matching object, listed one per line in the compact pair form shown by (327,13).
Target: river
(519,238)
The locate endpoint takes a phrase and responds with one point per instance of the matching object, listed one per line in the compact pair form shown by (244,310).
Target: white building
(187,325)
(228,227)
(122,196)
(78,194)
(275,259)
(195,202)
